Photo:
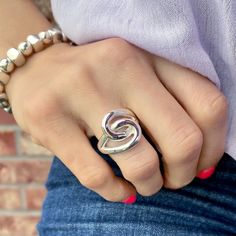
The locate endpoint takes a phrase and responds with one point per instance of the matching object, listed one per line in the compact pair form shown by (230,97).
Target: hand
(62,93)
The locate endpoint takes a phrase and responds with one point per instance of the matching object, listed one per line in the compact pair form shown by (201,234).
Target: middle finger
(172,130)
(140,165)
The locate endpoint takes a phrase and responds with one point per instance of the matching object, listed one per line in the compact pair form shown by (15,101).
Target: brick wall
(23,170)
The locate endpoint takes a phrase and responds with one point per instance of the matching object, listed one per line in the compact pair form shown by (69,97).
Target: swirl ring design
(120,128)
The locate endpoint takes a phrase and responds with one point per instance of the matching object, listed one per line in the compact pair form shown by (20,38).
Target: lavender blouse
(199,34)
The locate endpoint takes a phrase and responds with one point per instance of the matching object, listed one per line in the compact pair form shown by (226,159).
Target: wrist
(16,57)
(56,53)
(17,20)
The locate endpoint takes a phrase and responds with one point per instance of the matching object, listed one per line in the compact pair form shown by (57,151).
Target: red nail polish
(204,174)
(130,200)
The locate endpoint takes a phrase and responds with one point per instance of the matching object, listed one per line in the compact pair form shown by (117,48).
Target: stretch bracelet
(16,57)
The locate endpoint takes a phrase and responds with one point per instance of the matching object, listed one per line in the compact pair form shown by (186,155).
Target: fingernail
(204,174)
(130,200)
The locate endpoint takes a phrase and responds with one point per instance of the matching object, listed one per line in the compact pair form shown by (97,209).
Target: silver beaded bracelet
(17,57)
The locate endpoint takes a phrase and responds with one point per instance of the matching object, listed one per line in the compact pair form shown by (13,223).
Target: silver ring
(121,129)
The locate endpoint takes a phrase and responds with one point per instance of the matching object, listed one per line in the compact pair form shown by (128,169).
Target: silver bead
(8,109)
(25,48)
(16,57)
(64,38)
(46,37)
(4,103)
(36,42)
(56,35)
(7,65)
(4,77)
(3,100)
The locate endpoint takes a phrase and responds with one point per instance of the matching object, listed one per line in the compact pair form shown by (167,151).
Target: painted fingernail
(204,174)
(130,200)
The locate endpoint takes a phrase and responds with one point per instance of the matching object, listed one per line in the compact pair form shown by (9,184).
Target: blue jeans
(204,207)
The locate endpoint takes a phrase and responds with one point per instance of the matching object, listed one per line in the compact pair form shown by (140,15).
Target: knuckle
(78,75)
(81,74)
(144,168)
(187,145)
(42,115)
(81,82)
(41,106)
(117,50)
(94,178)
(215,109)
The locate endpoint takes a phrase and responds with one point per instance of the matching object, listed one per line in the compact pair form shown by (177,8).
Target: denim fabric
(205,207)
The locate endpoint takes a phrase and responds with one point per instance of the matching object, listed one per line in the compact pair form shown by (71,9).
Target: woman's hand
(61,95)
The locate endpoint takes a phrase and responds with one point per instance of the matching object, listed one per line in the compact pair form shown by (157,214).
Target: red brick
(18,225)
(6,118)
(7,143)
(35,197)
(28,171)
(9,199)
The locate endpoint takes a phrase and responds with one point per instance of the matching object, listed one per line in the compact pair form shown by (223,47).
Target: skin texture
(18,26)
(62,93)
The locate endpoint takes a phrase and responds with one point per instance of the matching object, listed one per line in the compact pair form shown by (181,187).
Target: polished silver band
(121,131)
(16,57)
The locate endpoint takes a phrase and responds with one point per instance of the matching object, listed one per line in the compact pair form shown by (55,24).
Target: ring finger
(173,132)
(139,165)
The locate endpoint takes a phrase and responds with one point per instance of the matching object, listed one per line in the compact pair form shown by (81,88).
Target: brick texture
(24,168)
(34,198)
(7,143)
(10,198)
(6,118)
(23,171)
(18,225)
